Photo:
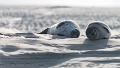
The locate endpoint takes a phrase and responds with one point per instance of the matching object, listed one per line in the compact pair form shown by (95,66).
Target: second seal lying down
(64,28)
(98,30)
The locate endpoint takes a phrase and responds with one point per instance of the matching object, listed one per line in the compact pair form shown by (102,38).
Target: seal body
(65,28)
(98,30)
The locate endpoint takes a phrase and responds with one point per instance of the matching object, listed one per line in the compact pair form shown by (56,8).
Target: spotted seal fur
(65,28)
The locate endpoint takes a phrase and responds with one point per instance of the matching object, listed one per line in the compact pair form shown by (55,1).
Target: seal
(65,28)
(98,30)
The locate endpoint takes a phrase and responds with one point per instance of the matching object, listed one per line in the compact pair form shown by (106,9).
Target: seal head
(74,33)
(92,33)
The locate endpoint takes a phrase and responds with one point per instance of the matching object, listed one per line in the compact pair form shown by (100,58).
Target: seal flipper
(44,31)
(60,24)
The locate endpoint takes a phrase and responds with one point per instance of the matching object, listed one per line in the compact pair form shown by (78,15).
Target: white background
(82,3)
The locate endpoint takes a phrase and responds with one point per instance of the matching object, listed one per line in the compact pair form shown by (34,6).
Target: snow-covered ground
(22,47)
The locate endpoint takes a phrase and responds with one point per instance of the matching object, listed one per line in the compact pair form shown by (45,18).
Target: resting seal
(98,30)
(64,28)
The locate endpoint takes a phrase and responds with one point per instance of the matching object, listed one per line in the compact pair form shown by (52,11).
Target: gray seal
(98,30)
(64,28)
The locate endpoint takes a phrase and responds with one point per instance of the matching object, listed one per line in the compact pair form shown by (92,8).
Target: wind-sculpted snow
(22,47)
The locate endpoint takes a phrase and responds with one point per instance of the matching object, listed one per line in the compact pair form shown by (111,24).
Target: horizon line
(59,5)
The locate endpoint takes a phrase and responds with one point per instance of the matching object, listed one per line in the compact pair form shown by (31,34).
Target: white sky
(83,3)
